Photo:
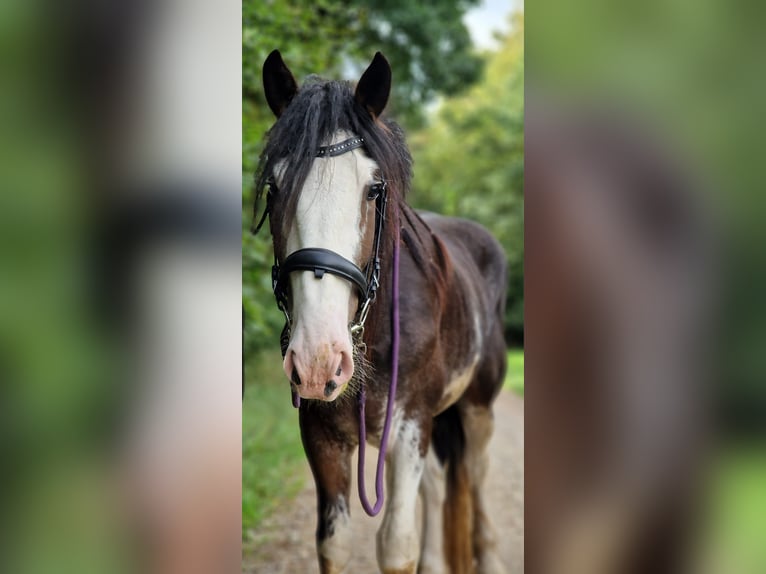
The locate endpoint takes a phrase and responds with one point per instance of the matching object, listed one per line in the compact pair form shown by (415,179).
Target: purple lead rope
(374,510)
(369,509)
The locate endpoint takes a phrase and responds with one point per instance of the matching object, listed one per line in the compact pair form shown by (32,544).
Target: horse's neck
(424,245)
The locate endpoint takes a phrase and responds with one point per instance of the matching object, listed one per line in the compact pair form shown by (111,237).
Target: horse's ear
(374,86)
(278,83)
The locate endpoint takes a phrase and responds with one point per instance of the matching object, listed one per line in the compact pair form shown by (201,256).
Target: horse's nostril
(329,388)
(338,372)
(295,378)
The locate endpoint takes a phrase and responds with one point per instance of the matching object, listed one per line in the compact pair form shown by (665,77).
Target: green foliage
(737,511)
(426,42)
(430,53)
(514,376)
(470,161)
(428,46)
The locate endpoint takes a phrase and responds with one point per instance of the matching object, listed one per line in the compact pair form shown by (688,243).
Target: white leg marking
(398,535)
(337,548)
(433,491)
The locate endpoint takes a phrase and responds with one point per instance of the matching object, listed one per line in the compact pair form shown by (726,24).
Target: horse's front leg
(398,541)
(330,460)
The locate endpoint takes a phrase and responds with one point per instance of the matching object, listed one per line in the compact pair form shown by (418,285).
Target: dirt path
(284,543)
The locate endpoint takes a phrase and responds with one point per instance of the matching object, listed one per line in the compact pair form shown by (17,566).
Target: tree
(470,161)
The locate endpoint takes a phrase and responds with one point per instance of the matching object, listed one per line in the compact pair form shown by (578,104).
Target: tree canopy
(470,161)
(426,43)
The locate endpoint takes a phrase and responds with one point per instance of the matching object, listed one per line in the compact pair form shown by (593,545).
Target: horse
(414,369)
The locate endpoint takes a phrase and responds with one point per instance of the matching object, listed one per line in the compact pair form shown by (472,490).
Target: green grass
(272,455)
(737,520)
(514,377)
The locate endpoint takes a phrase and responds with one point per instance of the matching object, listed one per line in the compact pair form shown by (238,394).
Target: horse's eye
(375,190)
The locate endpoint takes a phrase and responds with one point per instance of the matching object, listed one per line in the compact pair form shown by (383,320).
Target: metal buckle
(363,312)
(357,336)
(357,328)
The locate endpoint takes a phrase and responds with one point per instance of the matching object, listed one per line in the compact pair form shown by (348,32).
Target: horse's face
(333,212)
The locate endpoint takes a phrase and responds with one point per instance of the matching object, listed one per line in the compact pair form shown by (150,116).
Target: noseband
(322,261)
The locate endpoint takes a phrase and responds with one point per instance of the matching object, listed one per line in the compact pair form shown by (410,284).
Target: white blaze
(328,215)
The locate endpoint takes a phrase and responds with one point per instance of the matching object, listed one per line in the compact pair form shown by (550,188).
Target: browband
(340,148)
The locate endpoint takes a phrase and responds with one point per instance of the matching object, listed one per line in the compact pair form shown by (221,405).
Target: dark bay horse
(334,175)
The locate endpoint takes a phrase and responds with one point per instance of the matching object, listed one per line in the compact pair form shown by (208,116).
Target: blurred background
(120,314)
(458,91)
(644,279)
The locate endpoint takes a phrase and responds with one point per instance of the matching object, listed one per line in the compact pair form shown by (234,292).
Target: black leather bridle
(322,261)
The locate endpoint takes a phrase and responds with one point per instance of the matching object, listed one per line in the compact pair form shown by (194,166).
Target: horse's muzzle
(320,374)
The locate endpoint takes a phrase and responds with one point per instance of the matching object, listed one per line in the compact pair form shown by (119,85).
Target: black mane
(316,113)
